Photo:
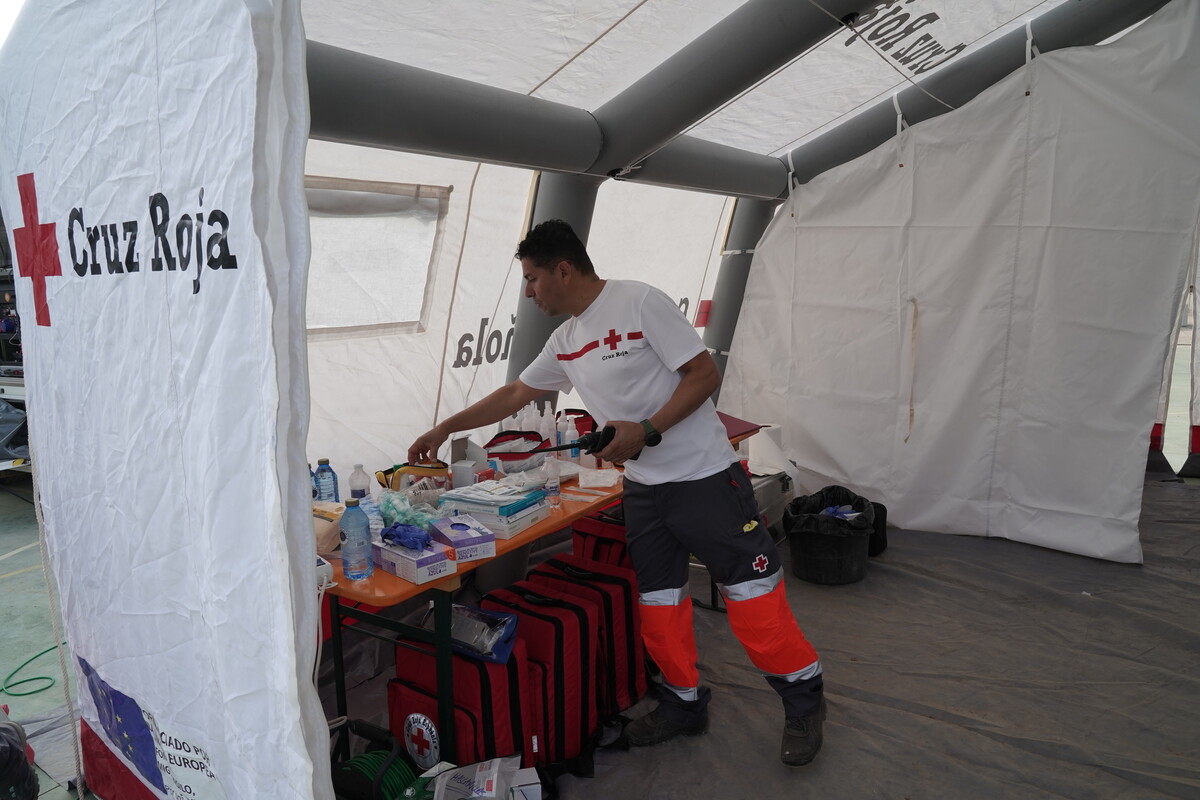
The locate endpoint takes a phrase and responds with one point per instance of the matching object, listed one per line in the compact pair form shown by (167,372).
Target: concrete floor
(26,629)
(25,622)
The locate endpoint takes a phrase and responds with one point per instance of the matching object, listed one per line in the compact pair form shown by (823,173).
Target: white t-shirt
(623,354)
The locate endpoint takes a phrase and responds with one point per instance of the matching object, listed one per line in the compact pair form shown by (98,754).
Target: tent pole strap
(746,226)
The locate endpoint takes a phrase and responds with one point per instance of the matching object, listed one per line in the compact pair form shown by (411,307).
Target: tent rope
(56,623)
(587,47)
(882,57)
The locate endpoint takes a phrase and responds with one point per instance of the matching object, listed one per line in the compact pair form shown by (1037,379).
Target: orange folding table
(383,589)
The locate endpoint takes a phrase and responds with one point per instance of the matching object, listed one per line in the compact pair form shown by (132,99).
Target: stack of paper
(504,510)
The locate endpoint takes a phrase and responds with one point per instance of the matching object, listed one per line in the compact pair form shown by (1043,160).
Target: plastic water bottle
(327,483)
(359,482)
(553,483)
(355,533)
(312,478)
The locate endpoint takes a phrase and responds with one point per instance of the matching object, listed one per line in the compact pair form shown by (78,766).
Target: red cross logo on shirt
(612,339)
(760,563)
(37,248)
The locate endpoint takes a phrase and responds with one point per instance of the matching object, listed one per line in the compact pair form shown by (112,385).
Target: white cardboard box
(526,785)
(415,566)
(466,538)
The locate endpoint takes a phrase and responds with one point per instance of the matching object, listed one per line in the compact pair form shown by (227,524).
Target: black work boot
(802,738)
(672,717)
(804,710)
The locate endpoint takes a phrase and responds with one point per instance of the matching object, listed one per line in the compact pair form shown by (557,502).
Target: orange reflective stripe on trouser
(671,641)
(767,629)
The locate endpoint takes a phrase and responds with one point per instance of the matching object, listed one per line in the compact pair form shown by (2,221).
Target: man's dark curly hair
(552,241)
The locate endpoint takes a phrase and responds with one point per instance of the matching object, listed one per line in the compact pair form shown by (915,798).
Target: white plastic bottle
(565,428)
(359,482)
(553,484)
(360,490)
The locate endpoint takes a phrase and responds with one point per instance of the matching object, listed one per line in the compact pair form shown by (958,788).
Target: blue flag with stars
(122,720)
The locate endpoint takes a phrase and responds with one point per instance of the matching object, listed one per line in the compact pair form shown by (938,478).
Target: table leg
(342,749)
(442,607)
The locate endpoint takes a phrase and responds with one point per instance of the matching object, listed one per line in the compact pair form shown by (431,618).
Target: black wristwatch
(653,437)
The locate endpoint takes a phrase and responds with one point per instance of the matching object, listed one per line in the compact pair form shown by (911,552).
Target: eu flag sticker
(126,726)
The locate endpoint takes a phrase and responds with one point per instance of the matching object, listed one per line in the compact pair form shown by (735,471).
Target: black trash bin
(830,548)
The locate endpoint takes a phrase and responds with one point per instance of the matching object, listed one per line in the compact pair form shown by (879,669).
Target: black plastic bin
(828,549)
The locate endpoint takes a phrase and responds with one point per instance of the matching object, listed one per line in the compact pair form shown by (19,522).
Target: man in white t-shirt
(642,369)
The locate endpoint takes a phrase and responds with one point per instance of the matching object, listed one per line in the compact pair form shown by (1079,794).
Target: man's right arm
(503,402)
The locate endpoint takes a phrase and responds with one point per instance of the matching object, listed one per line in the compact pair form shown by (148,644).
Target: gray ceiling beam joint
(747,46)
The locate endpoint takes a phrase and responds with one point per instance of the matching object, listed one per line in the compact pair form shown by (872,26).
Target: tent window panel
(372,253)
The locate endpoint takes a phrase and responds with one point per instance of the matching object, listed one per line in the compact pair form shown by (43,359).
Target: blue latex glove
(410,536)
(841,512)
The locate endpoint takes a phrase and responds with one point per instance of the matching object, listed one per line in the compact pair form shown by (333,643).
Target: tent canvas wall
(97,125)
(988,354)
(160,239)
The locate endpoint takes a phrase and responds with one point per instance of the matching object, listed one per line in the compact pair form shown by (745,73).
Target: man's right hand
(426,447)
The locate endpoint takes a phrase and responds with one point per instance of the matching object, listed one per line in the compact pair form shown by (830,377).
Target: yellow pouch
(401,476)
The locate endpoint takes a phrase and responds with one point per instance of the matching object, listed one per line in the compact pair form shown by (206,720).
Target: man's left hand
(629,441)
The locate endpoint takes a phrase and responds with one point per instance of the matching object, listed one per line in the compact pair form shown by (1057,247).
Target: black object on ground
(830,535)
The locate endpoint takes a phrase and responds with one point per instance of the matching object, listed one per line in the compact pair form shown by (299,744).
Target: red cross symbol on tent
(760,563)
(612,339)
(37,248)
(421,741)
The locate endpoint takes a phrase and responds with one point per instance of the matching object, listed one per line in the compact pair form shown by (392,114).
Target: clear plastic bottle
(355,533)
(360,484)
(327,482)
(553,483)
(312,478)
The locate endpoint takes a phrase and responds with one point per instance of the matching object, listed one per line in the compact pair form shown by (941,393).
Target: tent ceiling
(756,94)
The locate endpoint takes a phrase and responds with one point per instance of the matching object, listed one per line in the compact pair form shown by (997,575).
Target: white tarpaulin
(150,171)
(971,321)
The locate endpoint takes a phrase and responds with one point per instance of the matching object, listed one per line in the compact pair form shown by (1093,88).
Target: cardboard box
(526,785)
(415,566)
(466,538)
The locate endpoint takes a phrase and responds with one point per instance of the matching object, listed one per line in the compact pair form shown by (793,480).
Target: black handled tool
(590,443)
